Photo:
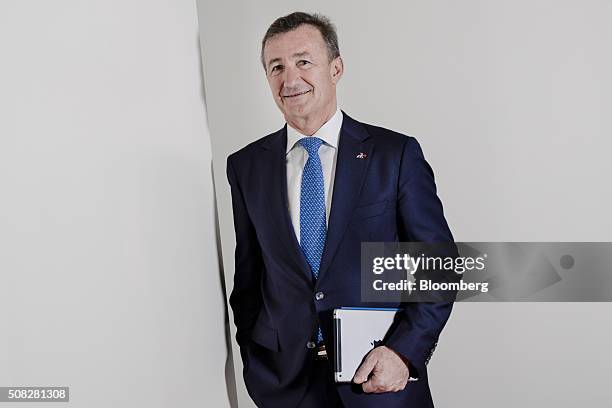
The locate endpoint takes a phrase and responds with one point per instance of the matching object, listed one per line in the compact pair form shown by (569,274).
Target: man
(304,198)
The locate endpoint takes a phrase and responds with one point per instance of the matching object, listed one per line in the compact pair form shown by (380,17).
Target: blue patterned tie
(313,227)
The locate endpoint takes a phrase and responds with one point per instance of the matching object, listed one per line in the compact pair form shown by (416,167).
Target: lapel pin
(361,156)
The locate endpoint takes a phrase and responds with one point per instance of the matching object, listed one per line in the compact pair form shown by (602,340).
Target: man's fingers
(369,386)
(374,385)
(365,369)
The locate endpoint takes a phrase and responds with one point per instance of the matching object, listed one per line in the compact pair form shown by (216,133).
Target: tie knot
(311,144)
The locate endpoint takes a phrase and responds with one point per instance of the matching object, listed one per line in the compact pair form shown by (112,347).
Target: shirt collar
(329,132)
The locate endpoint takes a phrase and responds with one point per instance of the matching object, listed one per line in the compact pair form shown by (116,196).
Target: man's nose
(292,77)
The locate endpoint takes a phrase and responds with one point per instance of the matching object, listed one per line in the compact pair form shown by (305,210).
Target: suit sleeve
(420,219)
(245,299)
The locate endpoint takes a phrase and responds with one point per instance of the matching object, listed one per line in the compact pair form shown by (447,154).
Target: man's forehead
(278,55)
(295,43)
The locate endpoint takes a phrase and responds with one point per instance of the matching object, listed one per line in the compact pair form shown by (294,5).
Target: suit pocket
(265,336)
(370,210)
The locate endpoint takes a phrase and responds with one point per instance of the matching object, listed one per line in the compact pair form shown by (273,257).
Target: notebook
(357,330)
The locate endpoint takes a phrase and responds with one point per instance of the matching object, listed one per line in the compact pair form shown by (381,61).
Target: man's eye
(276,68)
(303,62)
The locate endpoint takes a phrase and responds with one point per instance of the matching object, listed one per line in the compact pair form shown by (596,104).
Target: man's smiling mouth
(297,94)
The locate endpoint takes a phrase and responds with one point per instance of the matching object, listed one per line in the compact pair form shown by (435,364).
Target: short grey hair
(294,20)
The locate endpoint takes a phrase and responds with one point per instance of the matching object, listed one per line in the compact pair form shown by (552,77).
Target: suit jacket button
(319,295)
(310,345)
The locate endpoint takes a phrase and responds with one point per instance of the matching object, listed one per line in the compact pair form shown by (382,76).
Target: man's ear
(337,69)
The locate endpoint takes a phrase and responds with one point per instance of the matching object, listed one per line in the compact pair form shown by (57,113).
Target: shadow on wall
(230,376)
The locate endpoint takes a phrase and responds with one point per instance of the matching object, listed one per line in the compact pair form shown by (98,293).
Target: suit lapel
(275,177)
(349,178)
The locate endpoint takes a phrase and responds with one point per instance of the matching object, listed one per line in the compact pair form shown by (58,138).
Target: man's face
(300,75)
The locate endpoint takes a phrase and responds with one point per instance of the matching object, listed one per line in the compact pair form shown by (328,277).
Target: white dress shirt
(296,159)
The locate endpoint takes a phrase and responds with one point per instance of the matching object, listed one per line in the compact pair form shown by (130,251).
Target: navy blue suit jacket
(388,196)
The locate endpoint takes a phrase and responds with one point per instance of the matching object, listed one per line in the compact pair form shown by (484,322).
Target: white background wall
(511,102)
(109,276)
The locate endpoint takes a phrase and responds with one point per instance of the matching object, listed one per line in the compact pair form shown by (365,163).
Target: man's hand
(383,370)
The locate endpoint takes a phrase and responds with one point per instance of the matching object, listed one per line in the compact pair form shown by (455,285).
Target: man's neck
(308,126)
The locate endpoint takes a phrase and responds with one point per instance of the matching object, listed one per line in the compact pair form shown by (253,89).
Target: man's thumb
(364,370)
